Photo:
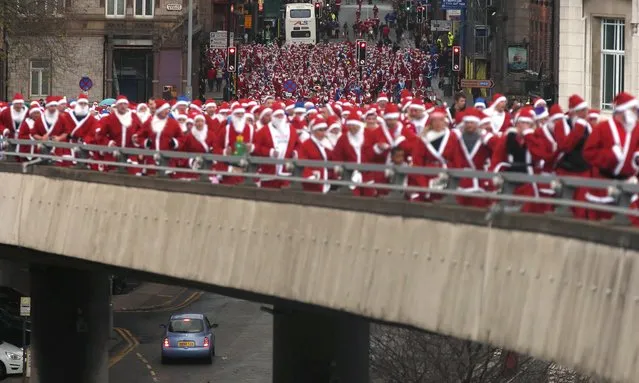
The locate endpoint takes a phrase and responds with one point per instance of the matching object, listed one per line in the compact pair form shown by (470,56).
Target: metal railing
(445,184)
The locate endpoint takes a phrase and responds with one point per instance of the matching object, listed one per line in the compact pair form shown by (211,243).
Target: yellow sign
(248,21)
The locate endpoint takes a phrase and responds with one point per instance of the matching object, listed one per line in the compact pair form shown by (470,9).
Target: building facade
(598,50)
(131,47)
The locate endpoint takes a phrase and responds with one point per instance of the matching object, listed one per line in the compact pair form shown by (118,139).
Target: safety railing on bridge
(619,194)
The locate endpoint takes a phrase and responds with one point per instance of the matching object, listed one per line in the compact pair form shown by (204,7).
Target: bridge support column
(319,347)
(70,325)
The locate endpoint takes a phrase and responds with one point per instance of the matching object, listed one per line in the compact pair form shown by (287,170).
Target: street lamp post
(189,58)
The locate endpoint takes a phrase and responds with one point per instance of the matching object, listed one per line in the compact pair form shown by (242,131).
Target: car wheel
(164,360)
(3,371)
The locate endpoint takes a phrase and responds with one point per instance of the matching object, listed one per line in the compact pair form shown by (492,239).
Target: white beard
(81,111)
(144,116)
(125,119)
(238,123)
(51,119)
(157,124)
(18,117)
(278,123)
(420,124)
(220,117)
(183,126)
(333,137)
(200,135)
(357,139)
(432,135)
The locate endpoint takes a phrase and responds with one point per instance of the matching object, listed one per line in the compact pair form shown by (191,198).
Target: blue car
(188,336)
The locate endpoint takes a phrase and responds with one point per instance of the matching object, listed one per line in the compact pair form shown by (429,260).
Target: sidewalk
(149,296)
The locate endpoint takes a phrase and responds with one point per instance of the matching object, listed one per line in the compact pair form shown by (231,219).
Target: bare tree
(400,355)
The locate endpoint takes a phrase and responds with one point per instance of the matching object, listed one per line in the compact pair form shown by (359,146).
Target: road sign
(86,83)
(477,83)
(289,86)
(25,306)
(453,4)
(441,25)
(217,40)
(173,7)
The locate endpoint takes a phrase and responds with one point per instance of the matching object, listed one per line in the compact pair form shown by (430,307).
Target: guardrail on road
(446,180)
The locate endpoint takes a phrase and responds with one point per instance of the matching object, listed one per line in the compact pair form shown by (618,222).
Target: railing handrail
(621,191)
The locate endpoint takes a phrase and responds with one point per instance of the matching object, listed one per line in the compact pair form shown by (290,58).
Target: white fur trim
(321,125)
(480,105)
(6,132)
(121,101)
(543,115)
(528,131)
(597,199)
(471,119)
(52,103)
(500,99)
(511,130)
(525,119)
(162,108)
(580,106)
(382,99)
(635,158)
(634,103)
(392,116)
(175,143)
(299,110)
(239,110)
(416,106)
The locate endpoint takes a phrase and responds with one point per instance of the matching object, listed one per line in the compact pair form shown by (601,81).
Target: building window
(115,8)
(612,60)
(40,78)
(144,8)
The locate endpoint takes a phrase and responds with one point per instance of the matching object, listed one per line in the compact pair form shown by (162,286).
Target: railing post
(451,184)
(251,168)
(206,164)
(82,154)
(624,200)
(347,175)
(297,172)
(162,161)
(565,192)
(508,188)
(44,150)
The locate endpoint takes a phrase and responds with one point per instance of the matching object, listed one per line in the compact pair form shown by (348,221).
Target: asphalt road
(243,345)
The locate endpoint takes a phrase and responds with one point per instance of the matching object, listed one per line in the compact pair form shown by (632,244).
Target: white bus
(300,23)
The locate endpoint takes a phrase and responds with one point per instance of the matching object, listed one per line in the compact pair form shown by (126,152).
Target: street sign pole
(25,312)
(189,55)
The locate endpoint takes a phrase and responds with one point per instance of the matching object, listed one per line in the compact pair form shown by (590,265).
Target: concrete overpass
(554,288)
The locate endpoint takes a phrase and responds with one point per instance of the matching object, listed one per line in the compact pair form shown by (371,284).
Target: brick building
(132,47)
(597,55)
(540,51)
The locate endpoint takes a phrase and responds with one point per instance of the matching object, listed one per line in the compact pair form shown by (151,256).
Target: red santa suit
(161,134)
(196,141)
(312,149)
(275,142)
(436,150)
(357,148)
(24,133)
(612,148)
(118,130)
(500,121)
(225,144)
(473,152)
(53,126)
(11,119)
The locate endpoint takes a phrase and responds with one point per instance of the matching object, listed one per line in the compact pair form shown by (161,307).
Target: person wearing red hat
(24,132)
(197,140)
(435,147)
(237,128)
(159,133)
(82,123)
(312,149)
(333,133)
(515,152)
(500,117)
(613,147)
(571,135)
(473,152)
(356,146)
(593,117)
(277,139)
(12,117)
(53,127)
(263,115)
(417,116)
(117,130)
(143,112)
(382,100)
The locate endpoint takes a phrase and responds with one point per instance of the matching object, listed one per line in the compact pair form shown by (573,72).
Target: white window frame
(39,71)
(618,52)
(115,8)
(144,15)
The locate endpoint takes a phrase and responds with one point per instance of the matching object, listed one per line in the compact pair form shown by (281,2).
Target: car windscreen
(300,13)
(186,325)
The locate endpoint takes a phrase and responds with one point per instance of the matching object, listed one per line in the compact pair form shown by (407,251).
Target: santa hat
(556,112)
(576,103)
(277,110)
(417,104)
(121,100)
(355,117)
(391,112)
(526,114)
(382,97)
(439,112)
(624,101)
(34,103)
(82,98)
(333,122)
(459,119)
(290,105)
(34,109)
(498,98)
(299,107)
(485,119)
(197,105)
(237,109)
(161,105)
(181,116)
(209,102)
(264,111)
(472,115)
(318,123)
(140,105)
(540,112)
(594,113)
(309,105)
(480,103)
(17,99)
(51,101)
(62,100)
(199,116)
(224,108)
(538,101)
(182,100)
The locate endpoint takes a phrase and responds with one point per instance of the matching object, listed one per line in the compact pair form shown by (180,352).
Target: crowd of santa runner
(535,139)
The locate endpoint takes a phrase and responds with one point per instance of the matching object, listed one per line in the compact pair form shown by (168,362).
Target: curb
(168,305)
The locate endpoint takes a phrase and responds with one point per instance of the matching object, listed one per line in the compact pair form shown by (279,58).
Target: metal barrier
(445,183)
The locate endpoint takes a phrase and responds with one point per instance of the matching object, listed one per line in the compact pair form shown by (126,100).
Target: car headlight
(13,355)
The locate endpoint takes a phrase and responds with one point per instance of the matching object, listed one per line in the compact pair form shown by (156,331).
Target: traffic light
(420,15)
(361,52)
(457,61)
(231,60)
(318,10)
(408,4)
